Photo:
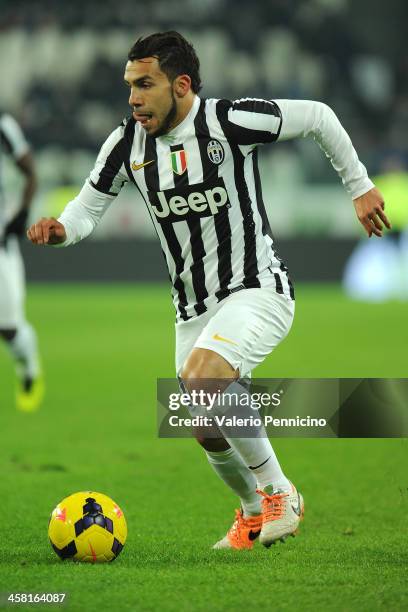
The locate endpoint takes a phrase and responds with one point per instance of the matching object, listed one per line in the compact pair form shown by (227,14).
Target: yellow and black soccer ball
(87,526)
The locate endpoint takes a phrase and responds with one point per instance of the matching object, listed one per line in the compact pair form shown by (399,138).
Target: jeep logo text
(174,205)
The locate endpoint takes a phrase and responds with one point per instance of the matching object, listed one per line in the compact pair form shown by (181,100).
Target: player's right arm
(82,215)
(47,231)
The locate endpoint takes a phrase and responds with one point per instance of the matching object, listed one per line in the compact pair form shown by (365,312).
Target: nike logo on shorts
(222,339)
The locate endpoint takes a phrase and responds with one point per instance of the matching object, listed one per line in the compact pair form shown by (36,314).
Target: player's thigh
(187,333)
(247,327)
(9,312)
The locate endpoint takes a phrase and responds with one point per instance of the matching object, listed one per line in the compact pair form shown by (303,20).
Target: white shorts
(12,285)
(244,328)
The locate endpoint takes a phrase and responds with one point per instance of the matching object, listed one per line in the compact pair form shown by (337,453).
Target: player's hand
(47,231)
(370,212)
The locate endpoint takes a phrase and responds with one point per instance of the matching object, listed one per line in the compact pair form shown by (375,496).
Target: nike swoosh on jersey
(138,166)
(218,337)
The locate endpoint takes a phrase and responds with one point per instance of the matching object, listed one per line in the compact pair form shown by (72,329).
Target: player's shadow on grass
(281,553)
(170,555)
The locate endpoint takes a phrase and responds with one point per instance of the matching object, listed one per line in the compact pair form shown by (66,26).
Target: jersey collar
(180,131)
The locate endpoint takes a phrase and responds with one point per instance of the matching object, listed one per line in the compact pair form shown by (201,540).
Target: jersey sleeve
(250,121)
(13,138)
(109,173)
(301,118)
(83,213)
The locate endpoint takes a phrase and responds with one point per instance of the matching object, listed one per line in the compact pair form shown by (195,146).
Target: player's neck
(183,108)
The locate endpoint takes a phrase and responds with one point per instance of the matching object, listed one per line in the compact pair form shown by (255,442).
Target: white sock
(259,456)
(232,470)
(24,349)
(255,451)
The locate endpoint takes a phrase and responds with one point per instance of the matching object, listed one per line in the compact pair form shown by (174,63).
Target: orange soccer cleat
(243,533)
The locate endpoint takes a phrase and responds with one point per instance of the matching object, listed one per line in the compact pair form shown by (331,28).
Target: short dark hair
(175,55)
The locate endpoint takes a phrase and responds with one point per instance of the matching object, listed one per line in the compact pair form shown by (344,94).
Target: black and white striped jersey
(13,143)
(202,188)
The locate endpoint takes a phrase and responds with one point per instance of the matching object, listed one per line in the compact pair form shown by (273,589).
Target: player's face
(151,96)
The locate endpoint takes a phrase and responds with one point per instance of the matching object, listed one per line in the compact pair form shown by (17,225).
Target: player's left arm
(309,118)
(18,148)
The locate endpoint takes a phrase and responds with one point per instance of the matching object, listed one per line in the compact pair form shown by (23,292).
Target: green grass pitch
(103,348)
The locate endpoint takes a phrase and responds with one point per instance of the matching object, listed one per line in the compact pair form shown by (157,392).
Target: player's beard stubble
(169,118)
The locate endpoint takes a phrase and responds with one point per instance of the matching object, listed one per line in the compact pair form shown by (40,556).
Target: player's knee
(204,363)
(8,334)
(215,445)
(196,368)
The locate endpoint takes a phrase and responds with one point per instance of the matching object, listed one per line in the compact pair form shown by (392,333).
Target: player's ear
(182,85)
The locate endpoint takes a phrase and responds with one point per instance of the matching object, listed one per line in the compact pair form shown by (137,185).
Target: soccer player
(194,162)
(18,334)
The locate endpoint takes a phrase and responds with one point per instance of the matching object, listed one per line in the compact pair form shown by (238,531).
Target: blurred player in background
(18,334)
(194,161)
(378,271)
